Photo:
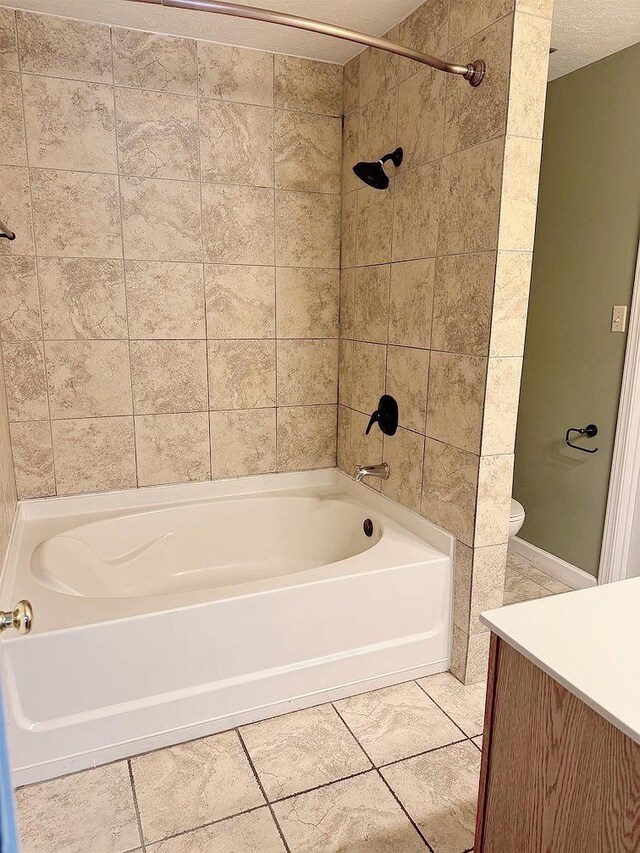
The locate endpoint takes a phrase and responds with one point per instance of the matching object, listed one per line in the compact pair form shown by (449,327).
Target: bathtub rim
(148,498)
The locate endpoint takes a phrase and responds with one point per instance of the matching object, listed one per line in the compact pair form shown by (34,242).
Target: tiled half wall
(435,277)
(169,309)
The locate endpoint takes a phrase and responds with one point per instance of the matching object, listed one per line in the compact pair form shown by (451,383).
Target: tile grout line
(384,781)
(136,807)
(429,696)
(262,790)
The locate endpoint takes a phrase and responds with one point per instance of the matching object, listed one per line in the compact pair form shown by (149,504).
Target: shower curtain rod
(473,71)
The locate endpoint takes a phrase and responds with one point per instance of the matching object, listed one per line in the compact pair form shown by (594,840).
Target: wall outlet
(619,318)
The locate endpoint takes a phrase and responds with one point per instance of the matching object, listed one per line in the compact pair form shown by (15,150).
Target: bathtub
(170,613)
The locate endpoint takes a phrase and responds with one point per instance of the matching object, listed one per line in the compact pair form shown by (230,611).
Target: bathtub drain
(368,527)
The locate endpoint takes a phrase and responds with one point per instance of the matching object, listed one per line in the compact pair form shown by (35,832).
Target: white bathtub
(171,613)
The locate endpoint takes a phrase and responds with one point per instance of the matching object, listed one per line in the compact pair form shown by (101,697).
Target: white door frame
(625,465)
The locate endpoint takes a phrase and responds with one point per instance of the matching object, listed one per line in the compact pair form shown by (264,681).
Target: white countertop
(588,641)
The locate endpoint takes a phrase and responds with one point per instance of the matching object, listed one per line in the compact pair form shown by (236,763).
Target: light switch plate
(619,318)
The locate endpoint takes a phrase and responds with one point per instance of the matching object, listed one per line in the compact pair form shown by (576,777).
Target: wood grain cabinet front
(556,776)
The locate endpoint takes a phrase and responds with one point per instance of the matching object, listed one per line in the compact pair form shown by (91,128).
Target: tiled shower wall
(7,481)
(435,277)
(169,309)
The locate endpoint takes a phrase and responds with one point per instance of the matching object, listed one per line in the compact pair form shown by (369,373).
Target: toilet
(516,518)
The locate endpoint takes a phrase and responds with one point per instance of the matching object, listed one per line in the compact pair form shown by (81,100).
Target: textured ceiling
(583,30)
(587,30)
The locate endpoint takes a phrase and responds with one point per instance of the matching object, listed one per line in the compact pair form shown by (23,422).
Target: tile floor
(391,771)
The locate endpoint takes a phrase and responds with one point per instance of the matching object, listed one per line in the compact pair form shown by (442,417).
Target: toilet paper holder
(590,431)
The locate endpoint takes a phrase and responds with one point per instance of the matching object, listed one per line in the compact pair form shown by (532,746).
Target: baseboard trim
(552,565)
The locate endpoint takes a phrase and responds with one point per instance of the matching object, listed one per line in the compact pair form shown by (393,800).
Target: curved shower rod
(473,72)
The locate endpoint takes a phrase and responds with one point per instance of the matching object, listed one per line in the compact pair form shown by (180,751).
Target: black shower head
(374,174)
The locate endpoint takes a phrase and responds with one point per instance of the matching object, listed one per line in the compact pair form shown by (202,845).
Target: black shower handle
(590,431)
(386,416)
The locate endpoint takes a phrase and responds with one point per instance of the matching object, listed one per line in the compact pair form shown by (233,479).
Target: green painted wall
(584,263)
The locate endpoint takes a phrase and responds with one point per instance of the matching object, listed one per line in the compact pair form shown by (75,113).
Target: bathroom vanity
(561,752)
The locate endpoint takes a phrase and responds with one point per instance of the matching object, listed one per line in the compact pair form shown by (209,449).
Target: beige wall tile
(88,379)
(456,399)
(449,487)
(306,437)
(70,125)
(94,455)
(470,199)
(371,304)
(172,448)
(404,454)
(407,381)
(374,225)
(378,124)
(169,376)
(347,302)
(153,61)
(62,47)
(307,229)
(307,86)
(33,459)
(477,658)
(19,300)
(307,372)
(12,140)
(459,649)
(242,374)
(157,134)
(462,586)
(235,74)
(529,70)
(24,375)
(494,500)
(411,300)
(544,8)
(354,446)
(425,29)
(379,72)
(15,211)
(165,300)
(415,220)
(307,302)
(501,405)
(421,106)
(307,152)
(243,442)
(488,583)
(160,219)
(462,303)
(351,80)
(476,114)
(510,301)
(348,230)
(362,374)
(238,224)
(468,17)
(8,41)
(350,151)
(76,214)
(236,143)
(240,301)
(82,298)
(519,193)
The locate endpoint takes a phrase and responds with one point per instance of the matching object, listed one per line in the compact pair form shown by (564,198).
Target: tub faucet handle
(20,618)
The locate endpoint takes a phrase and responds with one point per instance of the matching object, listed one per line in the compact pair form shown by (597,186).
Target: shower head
(373,173)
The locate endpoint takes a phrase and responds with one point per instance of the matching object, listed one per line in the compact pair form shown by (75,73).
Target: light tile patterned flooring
(391,771)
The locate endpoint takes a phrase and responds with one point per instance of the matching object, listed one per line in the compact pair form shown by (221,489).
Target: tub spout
(381,471)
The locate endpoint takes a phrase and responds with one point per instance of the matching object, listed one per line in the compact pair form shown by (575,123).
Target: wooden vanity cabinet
(556,776)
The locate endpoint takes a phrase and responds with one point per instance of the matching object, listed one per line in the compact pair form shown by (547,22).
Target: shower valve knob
(386,416)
